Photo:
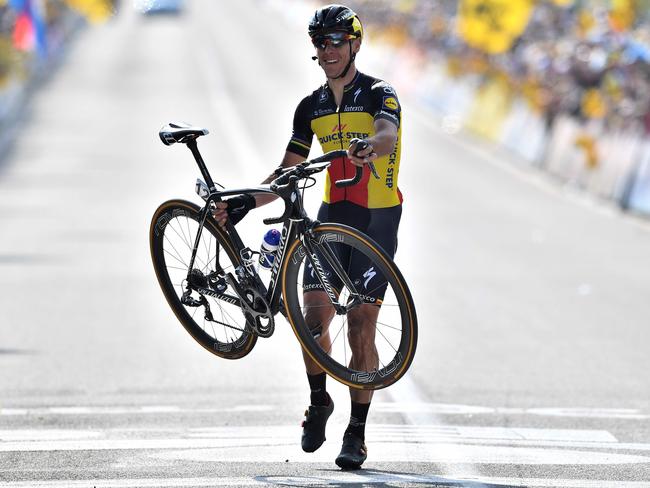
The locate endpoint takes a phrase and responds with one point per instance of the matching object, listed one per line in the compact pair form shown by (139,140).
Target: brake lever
(360,146)
(373,170)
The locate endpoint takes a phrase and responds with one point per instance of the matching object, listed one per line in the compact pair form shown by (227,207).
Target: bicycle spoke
(345,353)
(189,233)
(208,254)
(214,332)
(225,330)
(181,237)
(337,334)
(185,239)
(389,326)
(389,343)
(176,258)
(169,241)
(180,269)
(377,288)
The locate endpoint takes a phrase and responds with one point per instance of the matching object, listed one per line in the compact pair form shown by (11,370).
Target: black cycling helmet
(335,18)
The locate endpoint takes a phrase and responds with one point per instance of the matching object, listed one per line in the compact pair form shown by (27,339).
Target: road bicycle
(212,282)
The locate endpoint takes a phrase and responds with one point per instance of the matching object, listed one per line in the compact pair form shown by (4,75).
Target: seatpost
(199,160)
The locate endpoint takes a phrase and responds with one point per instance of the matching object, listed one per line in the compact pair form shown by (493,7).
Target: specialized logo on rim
(300,251)
(370,376)
(165,218)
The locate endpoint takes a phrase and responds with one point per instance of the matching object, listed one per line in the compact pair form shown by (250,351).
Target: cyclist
(350,105)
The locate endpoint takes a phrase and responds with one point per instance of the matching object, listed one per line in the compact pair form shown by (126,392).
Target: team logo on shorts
(391,103)
(370,274)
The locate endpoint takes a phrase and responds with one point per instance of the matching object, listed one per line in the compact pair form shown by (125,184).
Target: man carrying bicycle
(349,107)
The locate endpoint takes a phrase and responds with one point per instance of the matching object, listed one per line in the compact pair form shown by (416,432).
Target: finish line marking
(365,477)
(408,408)
(459,445)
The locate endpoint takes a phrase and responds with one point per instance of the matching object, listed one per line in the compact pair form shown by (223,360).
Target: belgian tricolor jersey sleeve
(302,134)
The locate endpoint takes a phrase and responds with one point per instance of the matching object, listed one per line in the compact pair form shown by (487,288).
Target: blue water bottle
(269,246)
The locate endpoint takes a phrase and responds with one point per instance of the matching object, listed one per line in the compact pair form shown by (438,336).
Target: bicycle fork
(335,265)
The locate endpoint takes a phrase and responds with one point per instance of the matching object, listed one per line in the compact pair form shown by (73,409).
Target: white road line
(455,409)
(379,406)
(363,478)
(407,391)
(426,443)
(127,410)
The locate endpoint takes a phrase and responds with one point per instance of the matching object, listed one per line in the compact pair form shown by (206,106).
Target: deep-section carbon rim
(173,231)
(395,332)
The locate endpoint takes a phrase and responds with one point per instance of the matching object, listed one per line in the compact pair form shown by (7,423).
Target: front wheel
(223,329)
(373,344)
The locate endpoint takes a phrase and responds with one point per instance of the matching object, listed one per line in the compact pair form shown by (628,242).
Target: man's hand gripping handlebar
(285,184)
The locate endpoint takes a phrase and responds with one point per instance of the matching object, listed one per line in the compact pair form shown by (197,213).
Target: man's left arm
(380,144)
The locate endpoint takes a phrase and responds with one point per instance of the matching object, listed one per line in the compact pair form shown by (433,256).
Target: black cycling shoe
(353,453)
(313,427)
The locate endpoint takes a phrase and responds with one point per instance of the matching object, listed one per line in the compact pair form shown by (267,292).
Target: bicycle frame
(291,230)
(295,223)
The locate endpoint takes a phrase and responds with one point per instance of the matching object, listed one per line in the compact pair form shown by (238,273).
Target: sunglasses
(334,39)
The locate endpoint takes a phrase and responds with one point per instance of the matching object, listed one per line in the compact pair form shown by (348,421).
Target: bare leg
(318,313)
(362,323)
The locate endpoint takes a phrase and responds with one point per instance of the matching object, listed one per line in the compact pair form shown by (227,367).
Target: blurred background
(562,83)
(526,179)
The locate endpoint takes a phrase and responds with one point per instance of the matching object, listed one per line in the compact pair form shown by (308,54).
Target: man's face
(334,53)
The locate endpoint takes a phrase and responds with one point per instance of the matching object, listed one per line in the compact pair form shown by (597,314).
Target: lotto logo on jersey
(391,103)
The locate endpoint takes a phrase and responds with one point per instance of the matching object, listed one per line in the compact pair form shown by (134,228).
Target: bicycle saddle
(179,132)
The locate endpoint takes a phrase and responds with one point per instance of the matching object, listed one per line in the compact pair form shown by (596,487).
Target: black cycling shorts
(380,224)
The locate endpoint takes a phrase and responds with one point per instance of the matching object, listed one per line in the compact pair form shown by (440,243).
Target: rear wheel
(369,356)
(172,235)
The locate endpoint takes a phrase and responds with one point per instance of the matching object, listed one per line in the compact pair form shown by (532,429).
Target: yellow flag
(93,10)
(593,104)
(493,25)
(622,14)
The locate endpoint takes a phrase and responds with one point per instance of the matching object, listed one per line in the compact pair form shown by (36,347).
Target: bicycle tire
(180,217)
(334,361)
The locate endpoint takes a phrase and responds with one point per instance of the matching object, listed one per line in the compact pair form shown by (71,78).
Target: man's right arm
(290,159)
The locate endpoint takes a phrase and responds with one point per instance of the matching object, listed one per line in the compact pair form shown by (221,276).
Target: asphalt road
(532,365)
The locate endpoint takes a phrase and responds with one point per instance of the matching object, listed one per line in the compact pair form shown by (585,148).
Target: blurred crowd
(589,59)
(33,31)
